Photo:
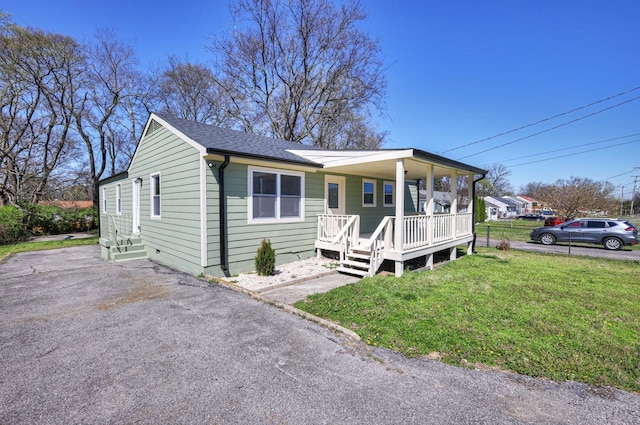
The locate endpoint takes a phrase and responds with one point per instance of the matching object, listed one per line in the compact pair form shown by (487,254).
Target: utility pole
(621,201)
(633,193)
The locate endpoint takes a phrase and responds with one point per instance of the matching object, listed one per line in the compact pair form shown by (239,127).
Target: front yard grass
(41,246)
(563,318)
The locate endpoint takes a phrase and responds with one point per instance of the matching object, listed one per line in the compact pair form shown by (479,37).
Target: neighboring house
(530,204)
(500,207)
(201,198)
(441,200)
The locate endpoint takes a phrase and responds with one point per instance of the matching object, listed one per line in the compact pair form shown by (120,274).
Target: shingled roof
(238,143)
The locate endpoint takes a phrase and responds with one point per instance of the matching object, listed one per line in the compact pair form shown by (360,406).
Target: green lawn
(564,318)
(40,246)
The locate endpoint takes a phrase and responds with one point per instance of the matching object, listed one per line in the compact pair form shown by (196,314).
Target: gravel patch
(284,274)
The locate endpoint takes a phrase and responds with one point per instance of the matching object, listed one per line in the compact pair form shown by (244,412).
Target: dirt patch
(144,292)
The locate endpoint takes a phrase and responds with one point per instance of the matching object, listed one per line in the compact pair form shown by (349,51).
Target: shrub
(12,226)
(504,244)
(265,259)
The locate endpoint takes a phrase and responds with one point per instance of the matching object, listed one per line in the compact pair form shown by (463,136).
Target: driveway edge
(292,310)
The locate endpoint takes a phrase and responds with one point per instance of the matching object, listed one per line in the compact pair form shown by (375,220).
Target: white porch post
(470,209)
(428,185)
(428,210)
(399,213)
(453,211)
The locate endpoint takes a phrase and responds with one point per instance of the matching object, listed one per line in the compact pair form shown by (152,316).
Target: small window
(155,195)
(104,199)
(275,195)
(388,194)
(118,199)
(575,224)
(368,193)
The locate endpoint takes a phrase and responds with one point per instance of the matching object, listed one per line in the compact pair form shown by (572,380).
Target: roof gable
(226,141)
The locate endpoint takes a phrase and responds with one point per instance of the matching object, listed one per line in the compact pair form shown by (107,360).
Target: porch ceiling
(382,163)
(386,169)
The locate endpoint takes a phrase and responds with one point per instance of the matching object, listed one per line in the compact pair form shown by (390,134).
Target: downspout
(224,254)
(473,212)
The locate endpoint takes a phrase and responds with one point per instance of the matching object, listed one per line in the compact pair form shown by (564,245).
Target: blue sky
(458,72)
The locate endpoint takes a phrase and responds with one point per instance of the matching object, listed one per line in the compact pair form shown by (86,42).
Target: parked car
(553,221)
(535,217)
(612,233)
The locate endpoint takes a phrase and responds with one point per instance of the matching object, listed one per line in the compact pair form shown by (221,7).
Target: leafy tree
(302,70)
(480,208)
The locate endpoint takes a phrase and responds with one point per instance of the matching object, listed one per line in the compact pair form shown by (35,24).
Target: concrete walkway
(293,293)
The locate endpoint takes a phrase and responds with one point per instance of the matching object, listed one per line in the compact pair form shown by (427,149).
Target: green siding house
(201,198)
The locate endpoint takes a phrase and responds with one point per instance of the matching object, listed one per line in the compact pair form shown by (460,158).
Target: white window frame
(152,190)
(374,204)
(279,173)
(393,194)
(104,200)
(118,199)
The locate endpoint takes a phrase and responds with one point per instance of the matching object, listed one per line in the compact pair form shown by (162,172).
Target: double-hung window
(104,200)
(118,199)
(155,195)
(388,194)
(275,195)
(368,193)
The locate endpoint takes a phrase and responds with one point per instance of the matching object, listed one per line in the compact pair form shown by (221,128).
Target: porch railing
(330,225)
(381,239)
(115,226)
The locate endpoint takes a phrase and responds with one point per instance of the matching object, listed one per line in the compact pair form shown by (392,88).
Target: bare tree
(107,119)
(577,195)
(189,91)
(496,182)
(303,71)
(38,71)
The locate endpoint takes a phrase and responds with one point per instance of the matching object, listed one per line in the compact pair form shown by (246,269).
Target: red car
(553,221)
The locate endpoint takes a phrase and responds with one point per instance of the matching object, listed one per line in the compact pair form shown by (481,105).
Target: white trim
(332,159)
(375,189)
(277,219)
(136,189)
(203,212)
(342,193)
(393,194)
(151,195)
(119,199)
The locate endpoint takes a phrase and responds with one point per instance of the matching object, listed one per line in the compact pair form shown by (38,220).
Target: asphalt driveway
(87,341)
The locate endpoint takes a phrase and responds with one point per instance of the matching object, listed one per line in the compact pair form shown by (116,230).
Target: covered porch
(405,235)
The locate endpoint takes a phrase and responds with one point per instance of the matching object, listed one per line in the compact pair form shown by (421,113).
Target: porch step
(357,272)
(130,249)
(355,264)
(358,256)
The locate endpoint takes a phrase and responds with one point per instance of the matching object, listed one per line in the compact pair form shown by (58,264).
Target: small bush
(265,259)
(504,244)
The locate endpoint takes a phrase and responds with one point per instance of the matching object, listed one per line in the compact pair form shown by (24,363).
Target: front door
(334,195)
(137,184)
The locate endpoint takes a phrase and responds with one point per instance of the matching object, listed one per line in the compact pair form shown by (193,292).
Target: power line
(544,120)
(618,175)
(572,147)
(575,153)
(552,128)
